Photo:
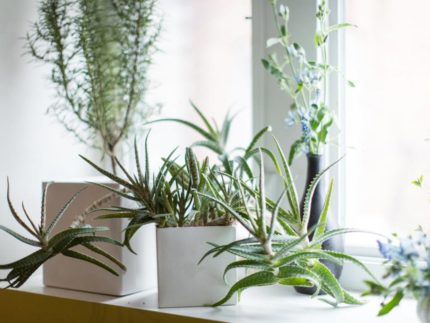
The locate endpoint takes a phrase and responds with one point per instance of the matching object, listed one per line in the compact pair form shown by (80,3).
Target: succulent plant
(168,198)
(280,249)
(50,245)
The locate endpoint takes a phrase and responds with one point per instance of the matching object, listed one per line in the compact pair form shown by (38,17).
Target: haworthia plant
(50,245)
(280,249)
(168,198)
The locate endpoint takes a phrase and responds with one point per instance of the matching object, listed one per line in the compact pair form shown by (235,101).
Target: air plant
(280,249)
(99,53)
(52,245)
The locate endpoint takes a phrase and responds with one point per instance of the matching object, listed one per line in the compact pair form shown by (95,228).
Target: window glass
(387,114)
(205,56)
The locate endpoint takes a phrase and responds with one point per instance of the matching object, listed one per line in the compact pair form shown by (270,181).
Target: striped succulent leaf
(49,247)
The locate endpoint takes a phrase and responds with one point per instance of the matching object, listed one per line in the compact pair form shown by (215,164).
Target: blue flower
(408,249)
(385,249)
(305,129)
(291,119)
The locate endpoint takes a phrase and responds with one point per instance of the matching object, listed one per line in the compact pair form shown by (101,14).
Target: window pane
(387,114)
(205,56)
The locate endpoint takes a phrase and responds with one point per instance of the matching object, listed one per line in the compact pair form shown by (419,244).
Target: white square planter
(181,281)
(70,273)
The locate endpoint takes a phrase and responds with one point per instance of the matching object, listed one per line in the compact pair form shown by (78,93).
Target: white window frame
(265,107)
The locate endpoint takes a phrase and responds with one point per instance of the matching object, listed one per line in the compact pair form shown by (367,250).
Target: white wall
(205,56)
(33,146)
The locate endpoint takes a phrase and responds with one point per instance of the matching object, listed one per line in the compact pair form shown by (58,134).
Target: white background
(205,56)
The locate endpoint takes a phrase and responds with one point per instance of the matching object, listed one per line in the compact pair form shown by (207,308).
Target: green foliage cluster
(304,80)
(50,245)
(407,270)
(99,52)
(175,195)
(281,250)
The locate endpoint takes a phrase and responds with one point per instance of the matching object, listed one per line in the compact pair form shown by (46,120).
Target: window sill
(264,304)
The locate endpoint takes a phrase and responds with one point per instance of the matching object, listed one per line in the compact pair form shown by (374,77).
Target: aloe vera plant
(280,249)
(50,245)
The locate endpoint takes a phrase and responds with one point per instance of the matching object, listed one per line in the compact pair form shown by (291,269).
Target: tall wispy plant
(99,52)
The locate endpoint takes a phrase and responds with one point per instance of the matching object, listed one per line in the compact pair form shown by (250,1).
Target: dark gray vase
(316,166)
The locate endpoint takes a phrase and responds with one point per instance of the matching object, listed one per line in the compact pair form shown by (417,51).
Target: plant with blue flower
(304,80)
(407,262)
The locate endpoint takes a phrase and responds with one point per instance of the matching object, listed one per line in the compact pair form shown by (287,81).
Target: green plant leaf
(83,257)
(60,214)
(246,264)
(355,261)
(103,253)
(73,233)
(340,26)
(311,254)
(110,175)
(35,258)
(262,278)
(255,140)
(20,237)
(310,193)
(322,221)
(287,273)
(329,280)
(205,120)
(289,183)
(391,304)
(191,125)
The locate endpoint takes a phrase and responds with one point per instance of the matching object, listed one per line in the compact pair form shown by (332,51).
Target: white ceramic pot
(69,273)
(181,280)
(423,310)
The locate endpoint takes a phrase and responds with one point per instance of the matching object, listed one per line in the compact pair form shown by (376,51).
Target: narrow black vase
(316,166)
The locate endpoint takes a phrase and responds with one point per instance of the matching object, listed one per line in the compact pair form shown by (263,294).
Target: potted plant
(71,242)
(306,82)
(280,249)
(99,53)
(183,218)
(407,271)
(184,222)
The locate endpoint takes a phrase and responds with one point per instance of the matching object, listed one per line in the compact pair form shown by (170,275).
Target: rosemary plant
(304,80)
(280,249)
(51,246)
(99,52)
